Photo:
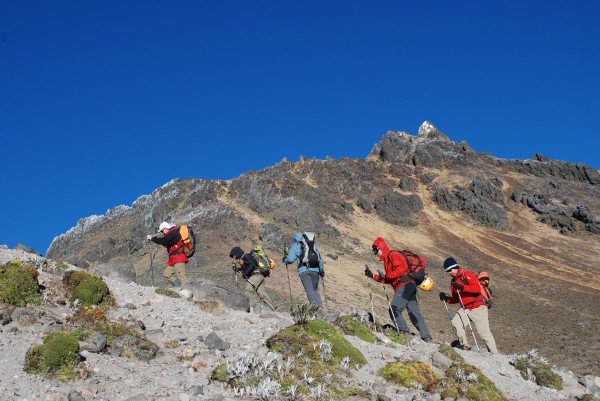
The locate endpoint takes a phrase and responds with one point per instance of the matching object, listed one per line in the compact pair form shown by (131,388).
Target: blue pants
(310,281)
(406,297)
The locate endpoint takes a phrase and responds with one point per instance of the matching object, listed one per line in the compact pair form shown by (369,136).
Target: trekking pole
(391,310)
(288,278)
(468,319)
(152,266)
(371,298)
(448,310)
(324,293)
(234,272)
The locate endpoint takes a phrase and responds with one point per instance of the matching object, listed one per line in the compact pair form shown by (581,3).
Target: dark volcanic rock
(272,236)
(583,214)
(365,204)
(213,341)
(128,345)
(408,184)
(483,188)
(554,168)
(398,209)
(477,202)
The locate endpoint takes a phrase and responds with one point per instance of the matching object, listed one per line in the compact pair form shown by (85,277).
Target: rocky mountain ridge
(533,224)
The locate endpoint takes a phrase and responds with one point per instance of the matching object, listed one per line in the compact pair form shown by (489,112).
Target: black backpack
(310,256)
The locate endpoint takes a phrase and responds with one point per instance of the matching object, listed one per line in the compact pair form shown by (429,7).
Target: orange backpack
(484,286)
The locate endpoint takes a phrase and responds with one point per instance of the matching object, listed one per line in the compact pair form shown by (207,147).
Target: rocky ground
(195,336)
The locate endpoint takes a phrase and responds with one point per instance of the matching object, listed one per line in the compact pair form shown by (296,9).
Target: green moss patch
(350,326)
(464,380)
(395,336)
(294,339)
(220,374)
(85,287)
(18,284)
(532,367)
(410,374)
(167,292)
(56,358)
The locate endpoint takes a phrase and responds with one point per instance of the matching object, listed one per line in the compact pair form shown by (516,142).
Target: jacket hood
(381,244)
(298,237)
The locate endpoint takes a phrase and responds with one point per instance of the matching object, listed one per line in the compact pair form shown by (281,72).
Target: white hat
(165,226)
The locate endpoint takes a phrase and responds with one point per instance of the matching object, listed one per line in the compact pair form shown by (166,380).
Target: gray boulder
(5,317)
(128,345)
(592,383)
(213,341)
(440,360)
(485,189)
(95,343)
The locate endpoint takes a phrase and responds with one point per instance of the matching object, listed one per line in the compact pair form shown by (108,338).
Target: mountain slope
(531,223)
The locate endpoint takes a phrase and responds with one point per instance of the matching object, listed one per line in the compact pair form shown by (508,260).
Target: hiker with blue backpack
(398,275)
(311,266)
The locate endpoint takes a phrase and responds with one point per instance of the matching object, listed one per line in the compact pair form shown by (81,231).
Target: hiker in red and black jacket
(171,240)
(397,275)
(467,291)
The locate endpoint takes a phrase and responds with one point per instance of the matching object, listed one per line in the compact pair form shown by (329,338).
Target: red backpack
(416,265)
(486,292)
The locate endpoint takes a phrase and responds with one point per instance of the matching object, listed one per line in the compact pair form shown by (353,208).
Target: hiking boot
(465,347)
(427,339)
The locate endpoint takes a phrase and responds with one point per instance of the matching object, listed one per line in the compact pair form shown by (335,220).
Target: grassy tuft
(532,367)
(18,284)
(167,292)
(351,326)
(410,374)
(220,374)
(464,380)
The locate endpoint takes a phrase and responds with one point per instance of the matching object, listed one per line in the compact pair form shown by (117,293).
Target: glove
(149,237)
(283,261)
(444,296)
(322,273)
(381,275)
(368,272)
(457,286)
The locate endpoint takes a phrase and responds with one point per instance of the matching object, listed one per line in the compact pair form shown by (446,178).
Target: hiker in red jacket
(396,274)
(466,291)
(171,239)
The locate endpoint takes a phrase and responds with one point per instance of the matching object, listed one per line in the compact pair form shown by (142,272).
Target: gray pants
(406,297)
(310,281)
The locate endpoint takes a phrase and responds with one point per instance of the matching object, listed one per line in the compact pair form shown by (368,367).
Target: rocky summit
(532,224)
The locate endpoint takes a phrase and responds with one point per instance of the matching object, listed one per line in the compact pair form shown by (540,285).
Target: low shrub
(55,358)
(18,284)
(85,287)
(395,336)
(448,351)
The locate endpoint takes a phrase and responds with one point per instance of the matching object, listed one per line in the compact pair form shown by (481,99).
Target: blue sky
(104,101)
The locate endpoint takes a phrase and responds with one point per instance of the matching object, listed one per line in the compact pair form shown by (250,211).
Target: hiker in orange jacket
(465,289)
(396,274)
(171,239)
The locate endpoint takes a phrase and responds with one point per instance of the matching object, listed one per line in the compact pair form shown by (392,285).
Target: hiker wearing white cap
(171,239)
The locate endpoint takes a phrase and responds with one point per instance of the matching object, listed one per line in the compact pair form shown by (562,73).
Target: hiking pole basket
(468,319)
